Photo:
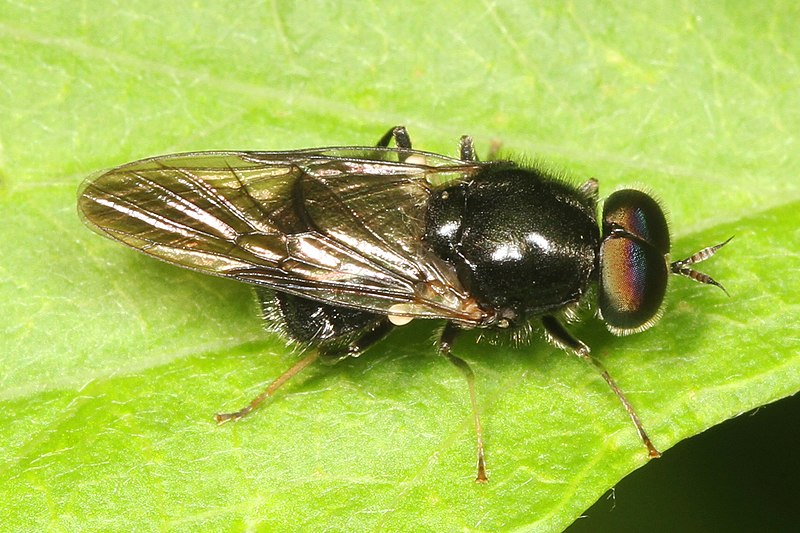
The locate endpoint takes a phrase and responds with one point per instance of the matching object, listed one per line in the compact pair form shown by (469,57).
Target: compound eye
(638,214)
(633,280)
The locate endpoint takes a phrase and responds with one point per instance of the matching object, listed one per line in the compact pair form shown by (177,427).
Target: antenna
(682,267)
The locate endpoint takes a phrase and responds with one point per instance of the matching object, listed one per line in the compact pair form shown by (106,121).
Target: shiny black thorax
(523,243)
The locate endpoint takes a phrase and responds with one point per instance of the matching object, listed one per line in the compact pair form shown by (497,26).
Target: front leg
(591,189)
(558,335)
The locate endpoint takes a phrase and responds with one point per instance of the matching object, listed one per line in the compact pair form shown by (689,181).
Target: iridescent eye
(633,267)
(638,214)
(633,280)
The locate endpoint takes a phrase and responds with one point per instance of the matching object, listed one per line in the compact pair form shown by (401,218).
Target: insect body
(343,244)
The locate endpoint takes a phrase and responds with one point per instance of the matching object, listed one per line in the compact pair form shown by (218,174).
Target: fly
(344,244)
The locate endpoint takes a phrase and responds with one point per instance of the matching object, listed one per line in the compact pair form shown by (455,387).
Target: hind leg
(334,333)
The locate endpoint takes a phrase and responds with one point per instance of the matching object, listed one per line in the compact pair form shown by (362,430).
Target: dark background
(743,475)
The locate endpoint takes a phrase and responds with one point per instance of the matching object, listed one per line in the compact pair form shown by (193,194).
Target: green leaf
(113,363)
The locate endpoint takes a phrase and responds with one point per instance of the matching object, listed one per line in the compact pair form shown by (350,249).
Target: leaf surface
(113,363)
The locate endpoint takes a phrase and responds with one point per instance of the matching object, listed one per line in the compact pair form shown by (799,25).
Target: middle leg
(400,136)
(445,345)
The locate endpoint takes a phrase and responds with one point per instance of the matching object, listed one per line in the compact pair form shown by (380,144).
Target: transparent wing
(340,225)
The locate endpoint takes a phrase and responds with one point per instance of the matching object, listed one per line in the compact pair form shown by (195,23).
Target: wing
(339,225)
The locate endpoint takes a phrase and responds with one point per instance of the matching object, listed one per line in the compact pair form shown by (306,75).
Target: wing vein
(233,214)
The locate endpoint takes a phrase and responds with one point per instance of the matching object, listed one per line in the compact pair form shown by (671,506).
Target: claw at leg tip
(221,418)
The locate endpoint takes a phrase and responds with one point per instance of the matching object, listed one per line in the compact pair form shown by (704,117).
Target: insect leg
(221,418)
(357,346)
(559,336)
(590,189)
(400,136)
(445,344)
(367,339)
(466,149)
(494,150)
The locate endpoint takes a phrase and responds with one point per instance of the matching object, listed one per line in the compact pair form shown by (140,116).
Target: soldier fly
(344,244)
